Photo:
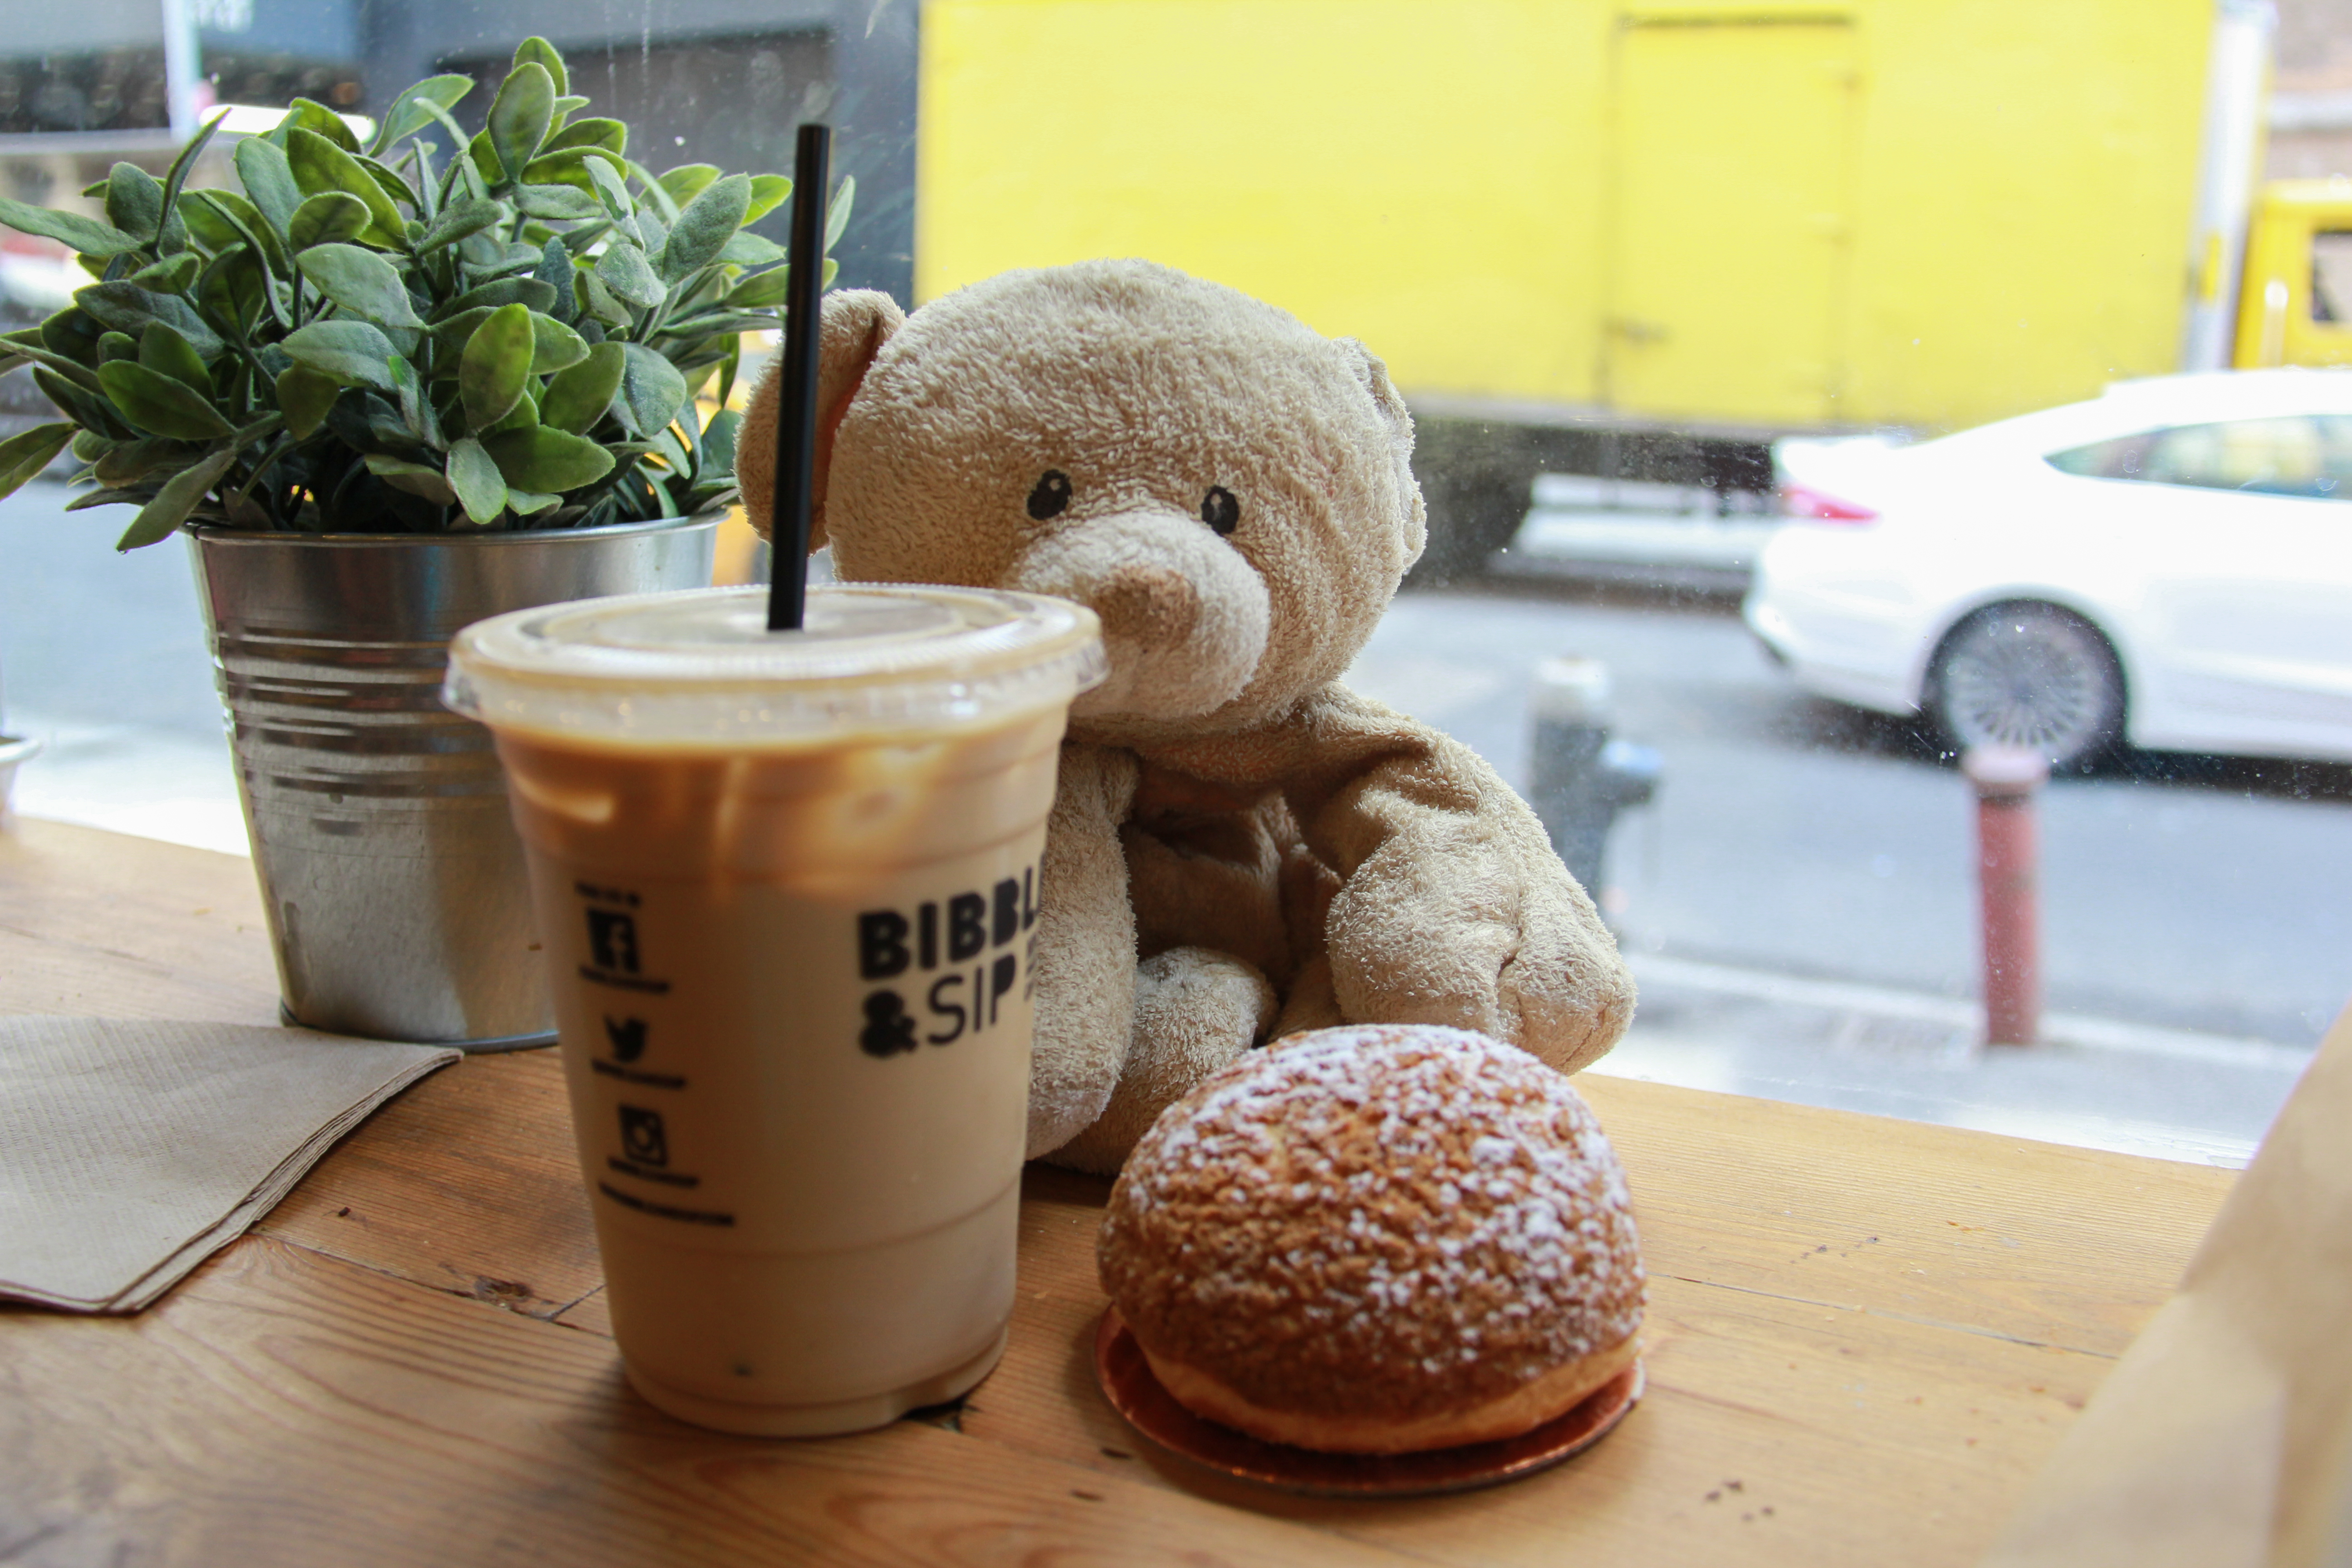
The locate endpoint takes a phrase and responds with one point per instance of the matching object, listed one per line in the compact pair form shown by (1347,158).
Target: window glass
(2307,456)
(1678,296)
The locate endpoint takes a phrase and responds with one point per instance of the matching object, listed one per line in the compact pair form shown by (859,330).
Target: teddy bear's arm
(1085,965)
(1452,907)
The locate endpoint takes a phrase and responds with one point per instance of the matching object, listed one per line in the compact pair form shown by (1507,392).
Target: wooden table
(1865,1335)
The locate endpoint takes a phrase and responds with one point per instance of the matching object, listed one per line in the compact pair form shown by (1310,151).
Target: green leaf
(330,217)
(496,363)
(85,234)
(319,164)
(749,249)
(176,176)
(685,182)
(349,354)
(520,115)
(87,409)
(127,308)
(305,396)
(563,202)
(612,188)
(546,459)
(360,281)
(624,270)
(521,417)
(159,402)
(611,135)
(719,442)
(570,103)
(150,458)
(181,495)
(729,365)
(651,389)
(311,115)
(172,277)
(598,301)
(761,290)
(246,220)
(212,229)
(555,346)
(499,291)
(709,323)
(415,410)
(396,189)
(577,397)
(236,289)
(89,446)
(481,489)
(769,192)
(704,227)
(267,175)
(163,350)
(527,503)
(134,200)
(116,346)
(408,113)
(24,456)
(417,479)
(540,52)
(133,493)
(836,212)
(461,218)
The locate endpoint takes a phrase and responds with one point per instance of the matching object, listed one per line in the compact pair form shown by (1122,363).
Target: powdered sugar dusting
(1379,1219)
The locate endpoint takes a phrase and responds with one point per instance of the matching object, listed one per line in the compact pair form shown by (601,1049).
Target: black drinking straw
(796,413)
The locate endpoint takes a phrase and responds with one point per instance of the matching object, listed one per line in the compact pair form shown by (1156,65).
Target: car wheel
(2028,675)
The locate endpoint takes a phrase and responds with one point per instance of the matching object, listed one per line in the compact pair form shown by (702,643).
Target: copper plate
(1135,1393)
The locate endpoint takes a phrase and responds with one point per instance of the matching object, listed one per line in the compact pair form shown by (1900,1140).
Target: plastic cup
(787,888)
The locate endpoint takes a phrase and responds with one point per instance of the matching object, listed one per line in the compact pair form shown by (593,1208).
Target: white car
(2169,565)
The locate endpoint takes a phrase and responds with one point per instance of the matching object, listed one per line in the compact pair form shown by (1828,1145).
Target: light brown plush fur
(1241,847)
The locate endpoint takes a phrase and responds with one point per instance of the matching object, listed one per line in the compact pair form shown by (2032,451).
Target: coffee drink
(786,885)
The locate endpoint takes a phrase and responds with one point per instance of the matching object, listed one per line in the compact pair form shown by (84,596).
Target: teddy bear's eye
(1051,497)
(1220,510)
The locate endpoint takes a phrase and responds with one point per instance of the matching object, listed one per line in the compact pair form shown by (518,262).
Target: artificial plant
(363,339)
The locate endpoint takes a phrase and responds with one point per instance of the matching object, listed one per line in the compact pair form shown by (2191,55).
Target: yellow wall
(1433,176)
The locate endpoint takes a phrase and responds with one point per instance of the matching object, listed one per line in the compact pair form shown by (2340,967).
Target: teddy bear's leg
(1311,1004)
(1085,964)
(1194,1011)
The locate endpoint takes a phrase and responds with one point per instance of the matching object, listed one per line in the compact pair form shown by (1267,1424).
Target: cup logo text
(971,937)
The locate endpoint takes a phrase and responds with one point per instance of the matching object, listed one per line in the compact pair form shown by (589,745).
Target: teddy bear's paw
(1196,1010)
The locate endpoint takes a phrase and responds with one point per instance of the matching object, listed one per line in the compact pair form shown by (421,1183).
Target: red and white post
(2007,778)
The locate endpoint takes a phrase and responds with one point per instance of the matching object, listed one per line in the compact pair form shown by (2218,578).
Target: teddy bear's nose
(1145,605)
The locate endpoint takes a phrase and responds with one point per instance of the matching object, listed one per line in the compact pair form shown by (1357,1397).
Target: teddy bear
(1240,847)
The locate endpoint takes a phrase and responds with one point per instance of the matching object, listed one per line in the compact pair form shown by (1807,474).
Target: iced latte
(787,886)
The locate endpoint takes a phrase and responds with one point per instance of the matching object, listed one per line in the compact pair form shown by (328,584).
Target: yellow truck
(1732,218)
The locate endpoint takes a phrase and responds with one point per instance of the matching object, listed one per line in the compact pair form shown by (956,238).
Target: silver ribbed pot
(398,903)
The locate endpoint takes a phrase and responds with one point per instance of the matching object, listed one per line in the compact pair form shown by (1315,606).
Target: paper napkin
(131,1151)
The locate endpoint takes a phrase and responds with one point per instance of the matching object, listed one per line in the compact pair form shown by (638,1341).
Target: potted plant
(389,389)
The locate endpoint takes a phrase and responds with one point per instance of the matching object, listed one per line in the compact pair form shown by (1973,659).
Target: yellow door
(1728,226)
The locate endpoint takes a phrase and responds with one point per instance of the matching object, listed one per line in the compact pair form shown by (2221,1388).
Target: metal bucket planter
(398,903)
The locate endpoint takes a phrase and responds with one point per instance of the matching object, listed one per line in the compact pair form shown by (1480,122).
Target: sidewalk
(2093,1082)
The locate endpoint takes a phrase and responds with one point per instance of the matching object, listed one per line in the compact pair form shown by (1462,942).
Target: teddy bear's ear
(854,324)
(1389,404)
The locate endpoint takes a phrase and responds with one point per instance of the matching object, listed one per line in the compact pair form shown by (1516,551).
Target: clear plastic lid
(702,667)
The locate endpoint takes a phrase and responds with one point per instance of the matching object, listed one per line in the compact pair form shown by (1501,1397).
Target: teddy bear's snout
(1184,616)
(1147,605)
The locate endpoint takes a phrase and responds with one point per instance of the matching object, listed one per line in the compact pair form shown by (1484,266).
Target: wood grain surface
(1864,1335)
